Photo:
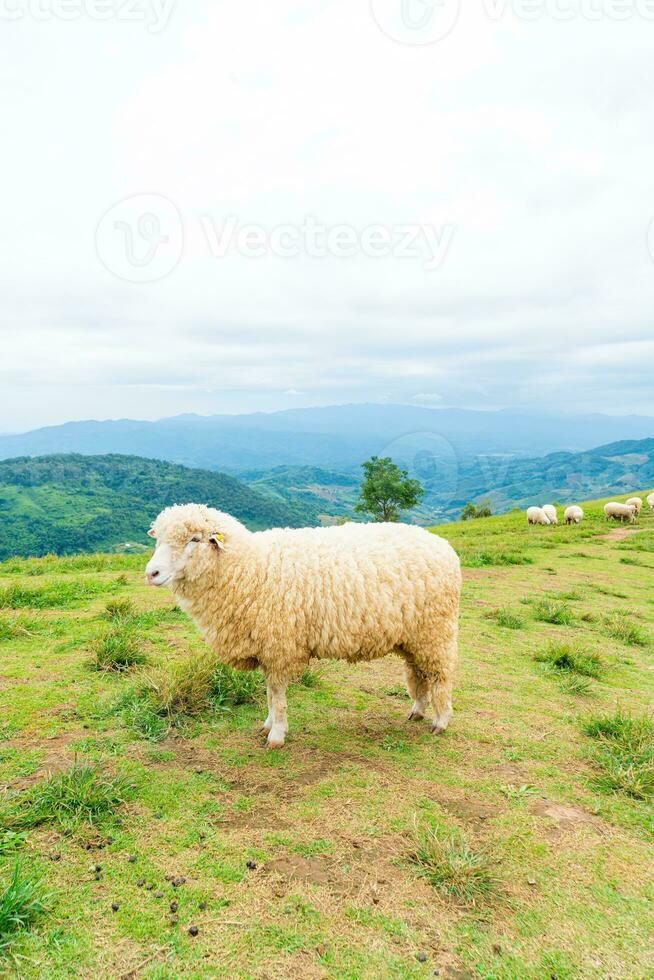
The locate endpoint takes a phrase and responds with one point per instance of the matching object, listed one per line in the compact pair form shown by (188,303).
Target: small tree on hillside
(470,512)
(386,490)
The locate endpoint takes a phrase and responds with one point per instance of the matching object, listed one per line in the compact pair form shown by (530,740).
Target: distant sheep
(635,502)
(620,512)
(275,599)
(550,512)
(573,515)
(536,515)
(650,501)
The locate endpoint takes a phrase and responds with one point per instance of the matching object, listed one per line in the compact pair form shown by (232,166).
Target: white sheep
(635,502)
(573,515)
(650,501)
(275,599)
(536,515)
(620,512)
(550,512)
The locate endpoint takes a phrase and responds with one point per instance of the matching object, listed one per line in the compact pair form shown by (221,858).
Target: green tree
(470,512)
(386,490)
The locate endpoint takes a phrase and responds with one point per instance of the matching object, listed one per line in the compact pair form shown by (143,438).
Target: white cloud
(531,139)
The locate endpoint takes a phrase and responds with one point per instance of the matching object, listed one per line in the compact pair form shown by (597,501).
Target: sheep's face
(188,543)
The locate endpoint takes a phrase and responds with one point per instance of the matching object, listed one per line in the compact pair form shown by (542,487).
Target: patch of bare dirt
(475,574)
(512,773)
(461,805)
(55,751)
(563,817)
(318,870)
(620,533)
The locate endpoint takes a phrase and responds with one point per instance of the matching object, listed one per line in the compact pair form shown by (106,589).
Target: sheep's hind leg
(441,699)
(279,727)
(419,690)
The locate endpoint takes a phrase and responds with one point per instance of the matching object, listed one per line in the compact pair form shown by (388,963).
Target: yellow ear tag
(221,537)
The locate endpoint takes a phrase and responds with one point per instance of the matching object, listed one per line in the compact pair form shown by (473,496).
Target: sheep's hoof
(438,729)
(274,744)
(416,716)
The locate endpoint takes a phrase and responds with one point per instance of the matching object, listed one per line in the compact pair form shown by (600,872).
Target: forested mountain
(69,504)
(72,503)
(616,468)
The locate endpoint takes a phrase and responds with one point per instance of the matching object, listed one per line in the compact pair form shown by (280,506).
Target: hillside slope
(68,504)
(616,468)
(366,847)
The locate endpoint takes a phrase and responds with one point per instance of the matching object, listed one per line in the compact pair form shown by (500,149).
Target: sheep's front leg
(268,723)
(277,702)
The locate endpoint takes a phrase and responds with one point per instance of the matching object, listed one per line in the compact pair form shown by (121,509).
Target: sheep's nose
(151,576)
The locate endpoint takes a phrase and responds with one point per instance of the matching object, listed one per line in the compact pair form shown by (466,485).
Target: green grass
(21,903)
(119,609)
(120,647)
(571,658)
(577,686)
(81,794)
(507,619)
(57,595)
(620,627)
(486,559)
(451,866)
(550,611)
(230,688)
(328,820)
(624,753)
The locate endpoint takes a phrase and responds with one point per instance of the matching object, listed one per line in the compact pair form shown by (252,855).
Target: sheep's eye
(198,537)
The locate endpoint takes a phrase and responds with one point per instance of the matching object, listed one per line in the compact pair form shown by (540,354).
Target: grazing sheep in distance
(536,515)
(550,512)
(635,502)
(620,512)
(573,515)
(275,599)
(650,501)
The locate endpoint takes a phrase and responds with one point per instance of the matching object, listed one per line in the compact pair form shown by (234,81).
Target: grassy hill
(68,504)
(518,845)
(611,469)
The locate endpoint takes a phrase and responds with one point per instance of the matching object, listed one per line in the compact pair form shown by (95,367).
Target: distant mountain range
(335,438)
(69,504)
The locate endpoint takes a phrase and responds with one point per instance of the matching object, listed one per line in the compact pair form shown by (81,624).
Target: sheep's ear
(218,541)
(151,534)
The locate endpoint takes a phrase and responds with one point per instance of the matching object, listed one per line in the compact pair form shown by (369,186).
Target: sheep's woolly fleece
(277,598)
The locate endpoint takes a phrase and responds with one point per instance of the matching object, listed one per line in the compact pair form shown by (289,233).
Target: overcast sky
(326,202)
